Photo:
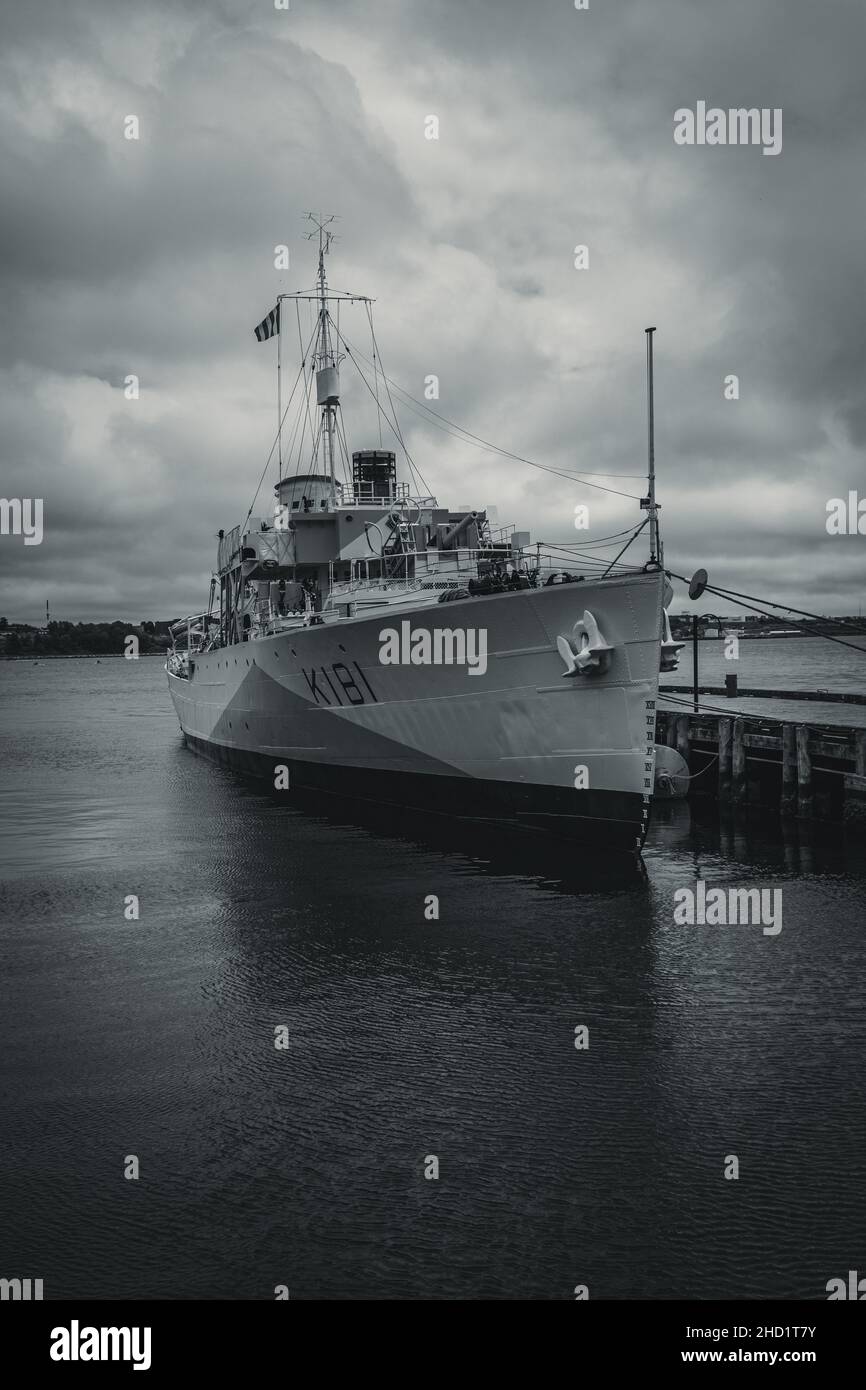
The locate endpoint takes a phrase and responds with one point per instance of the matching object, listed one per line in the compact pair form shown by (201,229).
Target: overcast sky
(155,257)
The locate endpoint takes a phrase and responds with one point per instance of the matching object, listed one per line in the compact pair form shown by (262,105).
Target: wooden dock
(824,697)
(810,771)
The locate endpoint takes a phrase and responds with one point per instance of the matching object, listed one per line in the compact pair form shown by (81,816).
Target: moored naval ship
(365,639)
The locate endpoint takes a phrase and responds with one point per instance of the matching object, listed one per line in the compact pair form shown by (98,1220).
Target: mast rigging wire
(375,373)
(392,425)
(391,403)
(485,444)
(786,607)
(644,523)
(303,364)
(271,453)
(599,540)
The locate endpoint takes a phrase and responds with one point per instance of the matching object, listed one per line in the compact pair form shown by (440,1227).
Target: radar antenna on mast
(321,225)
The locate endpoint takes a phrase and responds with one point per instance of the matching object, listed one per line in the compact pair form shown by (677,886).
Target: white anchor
(591,652)
(670,658)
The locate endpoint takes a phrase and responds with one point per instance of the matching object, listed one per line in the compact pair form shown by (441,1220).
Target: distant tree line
(759,625)
(80,639)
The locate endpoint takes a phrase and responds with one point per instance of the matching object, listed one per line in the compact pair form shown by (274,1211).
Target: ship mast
(649,503)
(324,340)
(327,374)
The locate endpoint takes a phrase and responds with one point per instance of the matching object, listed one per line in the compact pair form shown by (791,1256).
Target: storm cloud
(155,257)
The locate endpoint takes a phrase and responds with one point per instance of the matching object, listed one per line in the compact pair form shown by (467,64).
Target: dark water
(786,663)
(408,1038)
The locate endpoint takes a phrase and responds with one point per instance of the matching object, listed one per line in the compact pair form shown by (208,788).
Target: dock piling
(725,736)
(804,773)
(683,744)
(789,770)
(738,761)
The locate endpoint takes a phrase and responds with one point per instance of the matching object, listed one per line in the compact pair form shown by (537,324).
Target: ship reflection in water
(410,1035)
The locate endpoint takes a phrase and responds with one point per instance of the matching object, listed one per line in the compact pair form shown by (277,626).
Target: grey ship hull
(501,747)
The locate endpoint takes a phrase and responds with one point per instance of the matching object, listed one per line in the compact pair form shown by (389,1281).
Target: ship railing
(362,496)
(548,568)
(267,619)
(370,494)
(348,498)
(450,569)
(196,630)
(454,569)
